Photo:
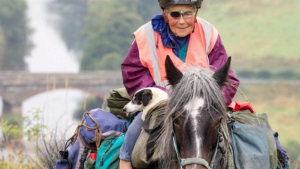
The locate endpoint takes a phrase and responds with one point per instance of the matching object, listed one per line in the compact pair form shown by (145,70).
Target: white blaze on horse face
(193,108)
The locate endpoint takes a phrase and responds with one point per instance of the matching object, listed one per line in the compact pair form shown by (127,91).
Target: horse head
(194,112)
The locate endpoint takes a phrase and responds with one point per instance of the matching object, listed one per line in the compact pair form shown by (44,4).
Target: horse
(191,136)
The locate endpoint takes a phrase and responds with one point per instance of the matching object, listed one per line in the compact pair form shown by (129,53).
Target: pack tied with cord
(253,141)
(96,125)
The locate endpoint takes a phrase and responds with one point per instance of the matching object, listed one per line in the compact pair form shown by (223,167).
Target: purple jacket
(136,76)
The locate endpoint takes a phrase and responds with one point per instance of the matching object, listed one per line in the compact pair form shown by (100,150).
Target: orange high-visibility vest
(153,53)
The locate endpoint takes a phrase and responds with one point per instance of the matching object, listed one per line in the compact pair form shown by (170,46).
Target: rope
(242,93)
(77,128)
(98,132)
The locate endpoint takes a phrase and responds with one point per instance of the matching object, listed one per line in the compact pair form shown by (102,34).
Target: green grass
(271,64)
(256,29)
(260,35)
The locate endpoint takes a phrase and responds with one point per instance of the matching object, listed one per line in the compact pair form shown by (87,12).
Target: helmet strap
(195,20)
(165,16)
(196,15)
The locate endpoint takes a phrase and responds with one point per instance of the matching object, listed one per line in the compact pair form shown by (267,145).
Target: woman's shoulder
(205,23)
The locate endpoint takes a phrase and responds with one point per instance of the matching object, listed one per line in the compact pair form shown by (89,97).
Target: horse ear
(221,75)
(174,75)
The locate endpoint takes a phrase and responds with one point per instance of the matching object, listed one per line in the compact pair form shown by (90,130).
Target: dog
(144,99)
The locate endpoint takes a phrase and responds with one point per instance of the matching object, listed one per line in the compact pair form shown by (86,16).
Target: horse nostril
(124,109)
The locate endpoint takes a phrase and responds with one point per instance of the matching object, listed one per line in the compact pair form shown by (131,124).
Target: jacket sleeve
(135,75)
(217,58)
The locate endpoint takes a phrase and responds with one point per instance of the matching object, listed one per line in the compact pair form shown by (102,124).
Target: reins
(183,162)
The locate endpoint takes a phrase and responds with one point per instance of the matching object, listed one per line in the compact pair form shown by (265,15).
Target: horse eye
(176,122)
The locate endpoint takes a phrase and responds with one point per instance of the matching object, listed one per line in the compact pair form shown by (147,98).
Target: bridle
(201,161)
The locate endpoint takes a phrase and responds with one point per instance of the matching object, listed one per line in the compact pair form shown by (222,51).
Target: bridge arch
(92,92)
(24,85)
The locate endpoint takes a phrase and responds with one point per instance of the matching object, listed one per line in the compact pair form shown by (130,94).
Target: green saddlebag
(108,153)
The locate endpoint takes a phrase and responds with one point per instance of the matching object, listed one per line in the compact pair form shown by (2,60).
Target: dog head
(143,99)
(139,100)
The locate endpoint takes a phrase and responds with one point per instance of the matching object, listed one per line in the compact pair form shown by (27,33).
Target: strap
(152,48)
(83,157)
(151,42)
(207,32)
(278,165)
(200,161)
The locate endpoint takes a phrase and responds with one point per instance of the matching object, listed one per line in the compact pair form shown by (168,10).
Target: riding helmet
(165,3)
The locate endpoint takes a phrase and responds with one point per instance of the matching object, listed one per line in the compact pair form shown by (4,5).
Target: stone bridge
(15,87)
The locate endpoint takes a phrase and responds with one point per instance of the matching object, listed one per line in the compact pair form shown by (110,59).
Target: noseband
(201,161)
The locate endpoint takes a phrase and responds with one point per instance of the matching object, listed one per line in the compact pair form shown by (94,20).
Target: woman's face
(181,19)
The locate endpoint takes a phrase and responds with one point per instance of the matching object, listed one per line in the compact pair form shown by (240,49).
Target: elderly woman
(187,39)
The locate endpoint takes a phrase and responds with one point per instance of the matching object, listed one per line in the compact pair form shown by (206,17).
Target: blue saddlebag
(250,146)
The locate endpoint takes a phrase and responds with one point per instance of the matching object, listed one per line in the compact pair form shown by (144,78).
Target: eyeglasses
(189,13)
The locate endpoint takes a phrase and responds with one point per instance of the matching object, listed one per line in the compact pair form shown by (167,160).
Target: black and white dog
(145,99)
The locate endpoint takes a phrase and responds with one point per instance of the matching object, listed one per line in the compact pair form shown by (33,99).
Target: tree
(15,31)
(111,61)
(146,9)
(110,27)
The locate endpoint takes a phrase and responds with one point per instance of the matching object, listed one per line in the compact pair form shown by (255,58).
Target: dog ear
(146,97)
(221,75)
(174,75)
